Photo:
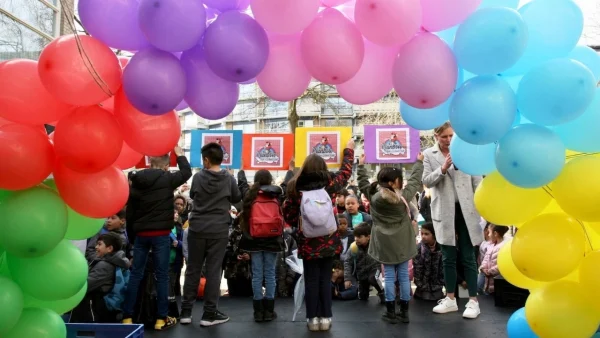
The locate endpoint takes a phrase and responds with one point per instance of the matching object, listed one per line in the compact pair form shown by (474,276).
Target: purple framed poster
(391,144)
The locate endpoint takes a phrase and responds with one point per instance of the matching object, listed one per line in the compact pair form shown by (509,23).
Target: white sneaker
(325,324)
(472,311)
(446,305)
(314,324)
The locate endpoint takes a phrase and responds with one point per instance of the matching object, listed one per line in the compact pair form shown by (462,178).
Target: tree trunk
(293,117)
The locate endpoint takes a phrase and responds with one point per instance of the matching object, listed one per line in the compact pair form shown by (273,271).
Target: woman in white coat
(455,220)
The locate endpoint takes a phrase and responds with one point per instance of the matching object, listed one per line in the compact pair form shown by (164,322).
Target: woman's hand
(420,157)
(447,164)
(350,144)
(361,159)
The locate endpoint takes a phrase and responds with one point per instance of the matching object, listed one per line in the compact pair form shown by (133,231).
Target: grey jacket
(442,198)
(101,275)
(213,194)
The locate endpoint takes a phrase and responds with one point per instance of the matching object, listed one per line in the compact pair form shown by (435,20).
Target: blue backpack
(114,299)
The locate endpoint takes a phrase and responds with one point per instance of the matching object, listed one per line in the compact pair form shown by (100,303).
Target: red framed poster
(267,151)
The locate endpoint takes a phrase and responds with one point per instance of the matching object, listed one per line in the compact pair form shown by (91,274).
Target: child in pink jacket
(489,265)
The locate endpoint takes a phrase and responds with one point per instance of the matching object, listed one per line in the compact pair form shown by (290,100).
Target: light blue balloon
(425,119)
(500,3)
(513,81)
(530,156)
(473,159)
(490,41)
(555,27)
(589,57)
(483,109)
(448,35)
(582,133)
(518,327)
(556,92)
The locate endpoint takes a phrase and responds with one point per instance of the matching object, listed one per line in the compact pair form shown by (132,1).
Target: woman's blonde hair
(440,129)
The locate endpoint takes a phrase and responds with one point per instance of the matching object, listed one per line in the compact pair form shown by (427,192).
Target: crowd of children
(352,239)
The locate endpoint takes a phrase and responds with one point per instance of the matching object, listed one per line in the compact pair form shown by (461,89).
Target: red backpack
(266,219)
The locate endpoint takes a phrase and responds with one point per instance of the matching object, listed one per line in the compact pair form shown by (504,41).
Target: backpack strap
(406,204)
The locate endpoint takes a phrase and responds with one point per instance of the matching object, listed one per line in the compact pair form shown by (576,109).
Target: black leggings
(317,287)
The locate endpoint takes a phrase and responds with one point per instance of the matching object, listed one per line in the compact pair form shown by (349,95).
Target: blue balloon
(530,156)
(500,3)
(471,158)
(513,81)
(490,41)
(448,35)
(589,57)
(555,27)
(483,109)
(518,327)
(425,119)
(556,92)
(582,133)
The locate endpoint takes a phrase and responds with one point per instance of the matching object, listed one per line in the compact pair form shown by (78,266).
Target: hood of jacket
(390,196)
(145,178)
(117,258)
(213,181)
(271,190)
(313,181)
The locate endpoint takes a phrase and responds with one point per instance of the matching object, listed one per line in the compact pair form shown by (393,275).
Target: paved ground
(351,319)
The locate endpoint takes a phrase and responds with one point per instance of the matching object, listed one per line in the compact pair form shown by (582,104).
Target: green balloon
(38,323)
(50,183)
(59,274)
(11,305)
(4,194)
(4,272)
(81,227)
(34,221)
(58,306)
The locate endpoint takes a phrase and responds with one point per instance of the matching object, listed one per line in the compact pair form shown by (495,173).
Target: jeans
(393,272)
(465,252)
(317,287)
(200,250)
(161,251)
(263,268)
(481,283)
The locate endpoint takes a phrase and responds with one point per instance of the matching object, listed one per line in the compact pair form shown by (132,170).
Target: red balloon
(81,73)
(88,140)
(96,195)
(108,104)
(147,134)
(23,98)
(128,157)
(28,156)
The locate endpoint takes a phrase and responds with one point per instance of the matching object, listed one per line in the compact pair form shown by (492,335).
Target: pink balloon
(348,9)
(284,16)
(332,47)
(285,77)
(425,72)
(441,14)
(333,3)
(128,157)
(374,79)
(387,22)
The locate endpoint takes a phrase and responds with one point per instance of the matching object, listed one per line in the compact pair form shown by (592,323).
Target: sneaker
(472,310)
(314,324)
(325,324)
(162,325)
(186,316)
(446,305)
(213,318)
(127,321)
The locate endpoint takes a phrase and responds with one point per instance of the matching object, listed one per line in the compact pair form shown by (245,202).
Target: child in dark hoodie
(213,191)
(114,224)
(100,281)
(359,267)
(150,211)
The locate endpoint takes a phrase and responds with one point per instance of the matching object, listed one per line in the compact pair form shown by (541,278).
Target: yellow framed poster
(327,142)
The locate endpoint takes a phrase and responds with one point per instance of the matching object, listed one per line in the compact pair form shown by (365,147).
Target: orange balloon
(128,157)
(96,195)
(147,134)
(23,98)
(28,156)
(89,140)
(82,73)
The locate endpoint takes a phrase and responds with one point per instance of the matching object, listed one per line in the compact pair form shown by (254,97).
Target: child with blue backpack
(114,224)
(107,278)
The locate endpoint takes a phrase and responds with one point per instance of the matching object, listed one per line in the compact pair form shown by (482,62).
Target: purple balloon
(113,22)
(211,15)
(172,25)
(182,105)
(251,81)
(236,47)
(226,5)
(154,81)
(207,94)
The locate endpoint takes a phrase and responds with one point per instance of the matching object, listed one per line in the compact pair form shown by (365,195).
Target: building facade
(27,26)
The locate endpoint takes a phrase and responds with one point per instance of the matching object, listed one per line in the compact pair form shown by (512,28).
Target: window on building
(276,109)
(336,106)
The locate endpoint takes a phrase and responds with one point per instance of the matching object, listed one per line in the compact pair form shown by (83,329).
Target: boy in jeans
(149,222)
(213,191)
(359,266)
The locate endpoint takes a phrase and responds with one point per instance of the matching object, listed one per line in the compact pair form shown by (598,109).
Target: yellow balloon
(561,309)
(589,276)
(572,154)
(553,207)
(548,247)
(500,202)
(592,240)
(509,271)
(577,188)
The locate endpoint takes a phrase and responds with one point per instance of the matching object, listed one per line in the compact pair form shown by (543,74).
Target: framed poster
(327,142)
(267,151)
(144,163)
(229,140)
(391,144)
